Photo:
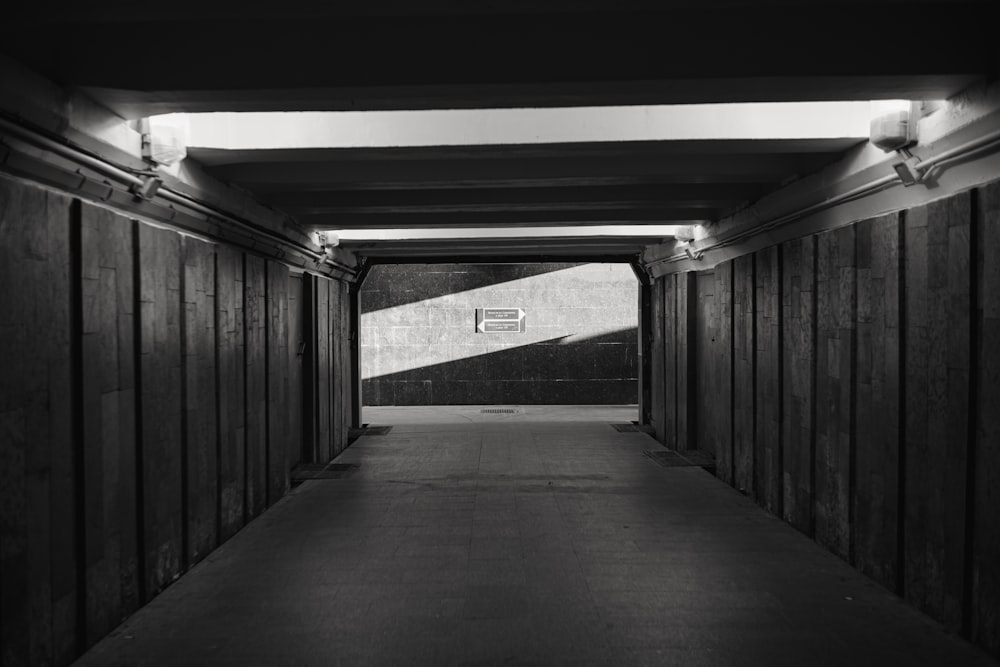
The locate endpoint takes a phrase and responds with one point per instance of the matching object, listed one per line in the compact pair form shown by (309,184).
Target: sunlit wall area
(468,334)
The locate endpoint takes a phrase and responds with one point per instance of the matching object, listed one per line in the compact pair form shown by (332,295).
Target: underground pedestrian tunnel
(627,333)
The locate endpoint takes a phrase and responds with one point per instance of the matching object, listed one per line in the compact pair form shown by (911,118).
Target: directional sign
(499,320)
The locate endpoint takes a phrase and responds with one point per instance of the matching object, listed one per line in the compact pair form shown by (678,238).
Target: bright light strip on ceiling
(464,127)
(454,233)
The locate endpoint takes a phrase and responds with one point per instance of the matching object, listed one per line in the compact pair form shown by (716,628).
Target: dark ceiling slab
(693,168)
(642,182)
(487,198)
(145,58)
(449,58)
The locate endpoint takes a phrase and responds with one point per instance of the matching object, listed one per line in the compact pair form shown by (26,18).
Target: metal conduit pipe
(130,178)
(976,145)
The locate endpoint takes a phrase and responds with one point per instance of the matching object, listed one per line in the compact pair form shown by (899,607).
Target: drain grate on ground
(307,471)
(498,411)
(633,427)
(626,428)
(366,429)
(689,459)
(343,467)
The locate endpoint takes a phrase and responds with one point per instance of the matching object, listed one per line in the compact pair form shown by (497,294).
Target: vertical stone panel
(669,288)
(200,409)
(721,369)
(878,358)
(345,360)
(336,371)
(937,334)
(656,358)
(108,418)
(743,373)
(835,286)
(37,489)
(231,391)
(705,341)
(278,399)
(798,341)
(323,403)
(985,621)
(160,437)
(296,371)
(255,327)
(767,343)
(714,394)
(686,300)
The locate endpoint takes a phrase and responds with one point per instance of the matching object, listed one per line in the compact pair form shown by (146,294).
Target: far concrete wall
(420,346)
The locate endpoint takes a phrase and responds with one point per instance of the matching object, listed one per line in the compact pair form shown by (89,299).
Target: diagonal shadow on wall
(600,370)
(412,283)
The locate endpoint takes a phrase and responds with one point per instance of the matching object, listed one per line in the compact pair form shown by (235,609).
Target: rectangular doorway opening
(500,334)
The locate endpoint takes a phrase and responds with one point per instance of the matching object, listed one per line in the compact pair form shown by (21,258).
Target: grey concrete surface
(578,341)
(544,537)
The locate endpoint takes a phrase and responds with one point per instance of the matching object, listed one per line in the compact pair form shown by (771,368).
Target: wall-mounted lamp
(685,245)
(893,124)
(164,138)
(328,242)
(894,128)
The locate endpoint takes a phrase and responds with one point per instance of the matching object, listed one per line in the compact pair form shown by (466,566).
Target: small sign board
(499,320)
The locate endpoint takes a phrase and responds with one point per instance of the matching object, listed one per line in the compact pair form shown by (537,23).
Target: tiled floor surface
(544,537)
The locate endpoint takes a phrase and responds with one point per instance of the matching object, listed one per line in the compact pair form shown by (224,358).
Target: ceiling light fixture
(894,129)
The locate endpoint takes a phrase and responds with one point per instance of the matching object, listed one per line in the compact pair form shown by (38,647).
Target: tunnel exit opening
(499,334)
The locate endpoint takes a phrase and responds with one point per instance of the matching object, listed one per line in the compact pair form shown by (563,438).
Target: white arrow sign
(500,320)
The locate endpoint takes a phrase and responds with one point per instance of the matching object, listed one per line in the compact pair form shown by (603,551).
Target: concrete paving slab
(539,538)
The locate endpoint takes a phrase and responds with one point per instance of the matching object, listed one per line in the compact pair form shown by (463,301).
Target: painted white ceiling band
(455,233)
(469,127)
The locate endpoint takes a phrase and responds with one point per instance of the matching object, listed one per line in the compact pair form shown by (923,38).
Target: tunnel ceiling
(142,59)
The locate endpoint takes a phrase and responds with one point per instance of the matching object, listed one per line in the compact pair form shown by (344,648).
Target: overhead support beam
(700,165)
(527,127)
(625,252)
(509,218)
(133,103)
(518,258)
(480,198)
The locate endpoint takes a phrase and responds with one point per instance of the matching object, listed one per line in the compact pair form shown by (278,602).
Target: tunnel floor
(541,537)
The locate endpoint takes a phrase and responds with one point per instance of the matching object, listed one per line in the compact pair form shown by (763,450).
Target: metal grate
(355,433)
(309,471)
(634,427)
(626,428)
(689,459)
(343,467)
(498,411)
(668,459)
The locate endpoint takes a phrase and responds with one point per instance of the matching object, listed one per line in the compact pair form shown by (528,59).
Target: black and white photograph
(435,333)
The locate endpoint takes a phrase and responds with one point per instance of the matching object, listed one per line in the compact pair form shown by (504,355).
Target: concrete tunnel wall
(153,402)
(419,344)
(849,383)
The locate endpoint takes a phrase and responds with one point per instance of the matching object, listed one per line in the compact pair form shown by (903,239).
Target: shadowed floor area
(539,537)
